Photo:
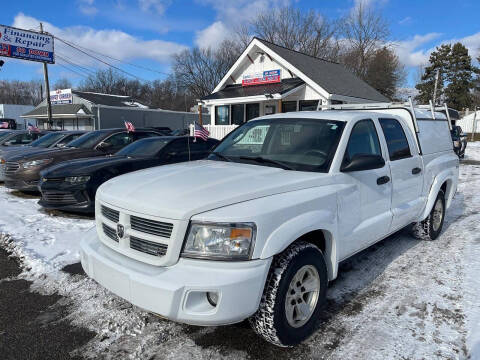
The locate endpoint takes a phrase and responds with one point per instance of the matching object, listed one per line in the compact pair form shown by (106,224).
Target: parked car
(72,185)
(459,139)
(22,172)
(51,140)
(19,138)
(259,228)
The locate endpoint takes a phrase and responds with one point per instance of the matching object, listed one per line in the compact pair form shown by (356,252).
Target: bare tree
(200,70)
(365,30)
(308,32)
(62,83)
(21,92)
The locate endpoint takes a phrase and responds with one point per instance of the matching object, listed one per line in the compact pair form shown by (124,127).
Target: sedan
(71,186)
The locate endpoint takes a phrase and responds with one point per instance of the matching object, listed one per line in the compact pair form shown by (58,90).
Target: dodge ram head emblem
(120,231)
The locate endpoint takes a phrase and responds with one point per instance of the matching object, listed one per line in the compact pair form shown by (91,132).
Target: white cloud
(115,43)
(212,36)
(410,52)
(87,7)
(159,6)
(405,20)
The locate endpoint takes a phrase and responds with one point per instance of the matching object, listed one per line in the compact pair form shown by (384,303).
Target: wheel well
(316,237)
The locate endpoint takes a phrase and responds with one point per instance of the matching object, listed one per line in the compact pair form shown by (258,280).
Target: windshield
(47,140)
(88,140)
(297,144)
(145,147)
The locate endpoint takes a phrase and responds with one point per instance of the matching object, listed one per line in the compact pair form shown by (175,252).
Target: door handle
(383,180)
(416,170)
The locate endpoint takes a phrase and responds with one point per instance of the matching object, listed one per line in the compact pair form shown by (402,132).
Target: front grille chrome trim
(151,227)
(109,232)
(148,247)
(110,214)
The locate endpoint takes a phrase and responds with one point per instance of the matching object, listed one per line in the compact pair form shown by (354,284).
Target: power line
(71,70)
(102,61)
(122,61)
(71,62)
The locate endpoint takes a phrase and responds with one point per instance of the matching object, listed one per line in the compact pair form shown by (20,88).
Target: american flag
(201,132)
(33,128)
(129,126)
(4,125)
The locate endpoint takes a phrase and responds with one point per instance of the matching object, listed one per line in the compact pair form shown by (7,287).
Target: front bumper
(21,185)
(59,195)
(178,292)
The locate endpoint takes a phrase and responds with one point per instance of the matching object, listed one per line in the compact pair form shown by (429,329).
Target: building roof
(237,90)
(109,100)
(333,77)
(60,111)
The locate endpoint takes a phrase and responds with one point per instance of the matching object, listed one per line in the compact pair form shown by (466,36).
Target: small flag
(33,128)
(200,132)
(129,126)
(4,125)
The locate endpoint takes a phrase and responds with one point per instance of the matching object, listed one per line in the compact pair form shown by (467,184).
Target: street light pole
(47,89)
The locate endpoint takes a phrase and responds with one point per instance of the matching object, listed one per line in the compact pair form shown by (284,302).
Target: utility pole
(47,89)
(437,77)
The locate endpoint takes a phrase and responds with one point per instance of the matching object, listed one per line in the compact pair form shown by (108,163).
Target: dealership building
(72,110)
(268,79)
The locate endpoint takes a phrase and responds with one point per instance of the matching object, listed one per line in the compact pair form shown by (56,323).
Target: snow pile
(402,298)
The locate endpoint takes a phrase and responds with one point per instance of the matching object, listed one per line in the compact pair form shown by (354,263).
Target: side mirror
(363,162)
(60,145)
(103,146)
(171,154)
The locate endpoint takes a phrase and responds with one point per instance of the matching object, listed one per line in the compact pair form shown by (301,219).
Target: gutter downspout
(98,118)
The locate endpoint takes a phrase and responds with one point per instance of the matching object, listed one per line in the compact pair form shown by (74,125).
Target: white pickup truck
(259,228)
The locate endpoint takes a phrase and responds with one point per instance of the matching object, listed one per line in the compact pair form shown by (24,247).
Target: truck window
(363,140)
(396,140)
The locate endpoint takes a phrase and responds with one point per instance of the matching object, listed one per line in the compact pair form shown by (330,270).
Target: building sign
(267,77)
(63,96)
(26,45)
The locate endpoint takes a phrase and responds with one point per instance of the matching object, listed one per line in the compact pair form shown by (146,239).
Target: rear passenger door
(406,168)
(364,213)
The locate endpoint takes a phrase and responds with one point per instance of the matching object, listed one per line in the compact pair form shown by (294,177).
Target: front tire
(294,295)
(431,227)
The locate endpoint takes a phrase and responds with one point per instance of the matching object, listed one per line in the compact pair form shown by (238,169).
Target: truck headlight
(77,179)
(35,163)
(220,241)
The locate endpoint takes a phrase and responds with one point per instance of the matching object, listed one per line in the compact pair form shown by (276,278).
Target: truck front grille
(111,233)
(110,214)
(11,167)
(152,227)
(148,247)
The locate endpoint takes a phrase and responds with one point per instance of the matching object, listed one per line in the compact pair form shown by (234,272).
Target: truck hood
(182,190)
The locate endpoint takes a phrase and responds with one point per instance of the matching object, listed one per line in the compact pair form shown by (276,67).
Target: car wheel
(294,295)
(431,227)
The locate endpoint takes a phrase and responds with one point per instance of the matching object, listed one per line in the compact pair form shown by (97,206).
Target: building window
(289,106)
(238,111)
(308,105)
(222,115)
(253,111)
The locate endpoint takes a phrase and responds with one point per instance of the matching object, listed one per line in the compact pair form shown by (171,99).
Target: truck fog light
(212,298)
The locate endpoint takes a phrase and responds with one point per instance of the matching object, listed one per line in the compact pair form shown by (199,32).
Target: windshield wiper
(260,159)
(223,157)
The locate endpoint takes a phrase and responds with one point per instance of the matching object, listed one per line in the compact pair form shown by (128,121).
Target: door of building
(252,111)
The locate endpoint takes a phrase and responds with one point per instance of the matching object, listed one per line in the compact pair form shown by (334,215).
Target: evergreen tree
(438,60)
(460,78)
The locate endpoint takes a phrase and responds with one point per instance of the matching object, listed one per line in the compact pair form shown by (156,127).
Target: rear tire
(431,227)
(294,295)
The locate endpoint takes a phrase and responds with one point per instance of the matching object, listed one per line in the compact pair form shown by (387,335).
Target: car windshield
(145,147)
(289,143)
(47,140)
(88,140)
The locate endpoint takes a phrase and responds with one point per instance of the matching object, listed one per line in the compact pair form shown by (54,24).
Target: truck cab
(257,230)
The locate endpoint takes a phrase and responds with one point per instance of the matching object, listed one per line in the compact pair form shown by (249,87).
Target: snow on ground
(402,298)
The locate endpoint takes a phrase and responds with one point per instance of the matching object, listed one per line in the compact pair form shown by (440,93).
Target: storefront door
(252,111)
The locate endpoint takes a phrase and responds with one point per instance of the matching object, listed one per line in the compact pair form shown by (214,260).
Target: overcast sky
(148,32)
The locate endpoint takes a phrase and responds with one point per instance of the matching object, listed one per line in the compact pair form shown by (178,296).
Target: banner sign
(267,77)
(63,96)
(26,45)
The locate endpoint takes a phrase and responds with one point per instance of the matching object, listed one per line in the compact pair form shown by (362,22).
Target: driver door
(364,214)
